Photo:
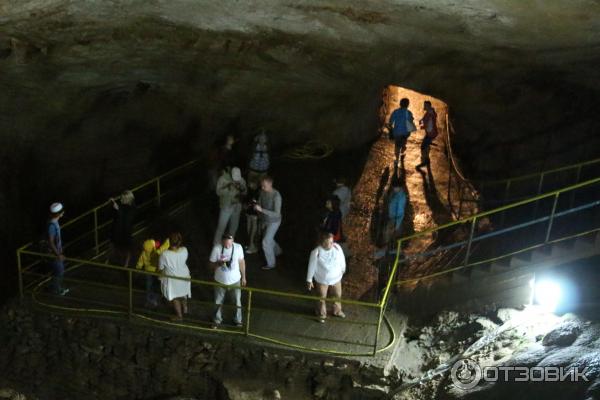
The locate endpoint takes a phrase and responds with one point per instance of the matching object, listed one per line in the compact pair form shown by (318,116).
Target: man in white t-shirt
(227,260)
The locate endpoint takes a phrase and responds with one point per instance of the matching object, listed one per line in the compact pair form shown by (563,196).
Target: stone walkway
(292,321)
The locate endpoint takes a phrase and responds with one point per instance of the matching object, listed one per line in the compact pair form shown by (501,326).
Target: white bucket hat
(56,208)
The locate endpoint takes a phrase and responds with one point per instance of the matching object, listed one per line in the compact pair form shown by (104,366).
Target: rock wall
(51,356)
(99,95)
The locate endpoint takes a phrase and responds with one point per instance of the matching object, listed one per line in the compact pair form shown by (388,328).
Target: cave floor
(292,320)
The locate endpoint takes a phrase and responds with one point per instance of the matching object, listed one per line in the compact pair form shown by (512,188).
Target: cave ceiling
(303,66)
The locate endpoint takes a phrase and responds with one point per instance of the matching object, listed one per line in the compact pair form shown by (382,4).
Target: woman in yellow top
(148,260)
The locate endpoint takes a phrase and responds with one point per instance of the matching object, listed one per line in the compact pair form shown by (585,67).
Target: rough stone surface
(50,356)
(564,335)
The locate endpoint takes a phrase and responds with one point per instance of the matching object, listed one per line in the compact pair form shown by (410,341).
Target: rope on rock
(311,150)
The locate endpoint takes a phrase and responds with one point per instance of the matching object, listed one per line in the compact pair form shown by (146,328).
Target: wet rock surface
(564,335)
(505,338)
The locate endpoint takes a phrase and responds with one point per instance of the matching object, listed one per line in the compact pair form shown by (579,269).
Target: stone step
(519,260)
(480,270)
(561,249)
(442,281)
(541,254)
(597,240)
(501,265)
(461,276)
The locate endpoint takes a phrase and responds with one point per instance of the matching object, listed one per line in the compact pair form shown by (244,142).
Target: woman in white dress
(173,263)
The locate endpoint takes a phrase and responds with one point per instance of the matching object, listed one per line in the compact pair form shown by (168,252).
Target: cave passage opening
(426,188)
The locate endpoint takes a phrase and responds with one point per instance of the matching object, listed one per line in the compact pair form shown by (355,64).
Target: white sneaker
(251,250)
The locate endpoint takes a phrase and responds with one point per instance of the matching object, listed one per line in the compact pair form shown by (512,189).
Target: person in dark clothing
(55,247)
(332,222)
(122,229)
(402,125)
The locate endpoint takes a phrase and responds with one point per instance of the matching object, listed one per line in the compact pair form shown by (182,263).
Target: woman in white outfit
(173,263)
(327,266)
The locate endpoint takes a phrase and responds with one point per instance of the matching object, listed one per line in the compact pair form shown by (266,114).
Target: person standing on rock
(231,189)
(396,207)
(227,261)
(269,209)
(402,125)
(429,124)
(173,264)
(55,247)
(326,266)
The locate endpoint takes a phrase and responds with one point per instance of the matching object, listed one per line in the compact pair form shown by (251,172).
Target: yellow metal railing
(124,299)
(94,223)
(509,189)
(543,227)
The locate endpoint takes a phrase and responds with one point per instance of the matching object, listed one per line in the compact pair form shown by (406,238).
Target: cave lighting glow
(547,294)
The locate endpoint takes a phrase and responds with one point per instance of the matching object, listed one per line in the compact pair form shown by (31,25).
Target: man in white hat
(231,189)
(55,247)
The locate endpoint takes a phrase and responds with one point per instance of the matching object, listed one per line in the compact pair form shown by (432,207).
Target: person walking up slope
(429,124)
(402,125)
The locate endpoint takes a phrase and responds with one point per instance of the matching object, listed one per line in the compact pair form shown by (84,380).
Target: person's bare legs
(177,306)
(184,305)
(322,305)
(336,291)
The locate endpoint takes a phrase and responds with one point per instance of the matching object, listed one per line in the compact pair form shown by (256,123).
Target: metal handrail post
(130,273)
(378,329)
(481,200)
(540,184)
(539,191)
(460,199)
(158,194)
(551,220)
(96,245)
(506,191)
(19,268)
(449,162)
(466,262)
(248,312)
(577,178)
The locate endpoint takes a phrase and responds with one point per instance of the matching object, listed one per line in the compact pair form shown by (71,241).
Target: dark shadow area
(440,213)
